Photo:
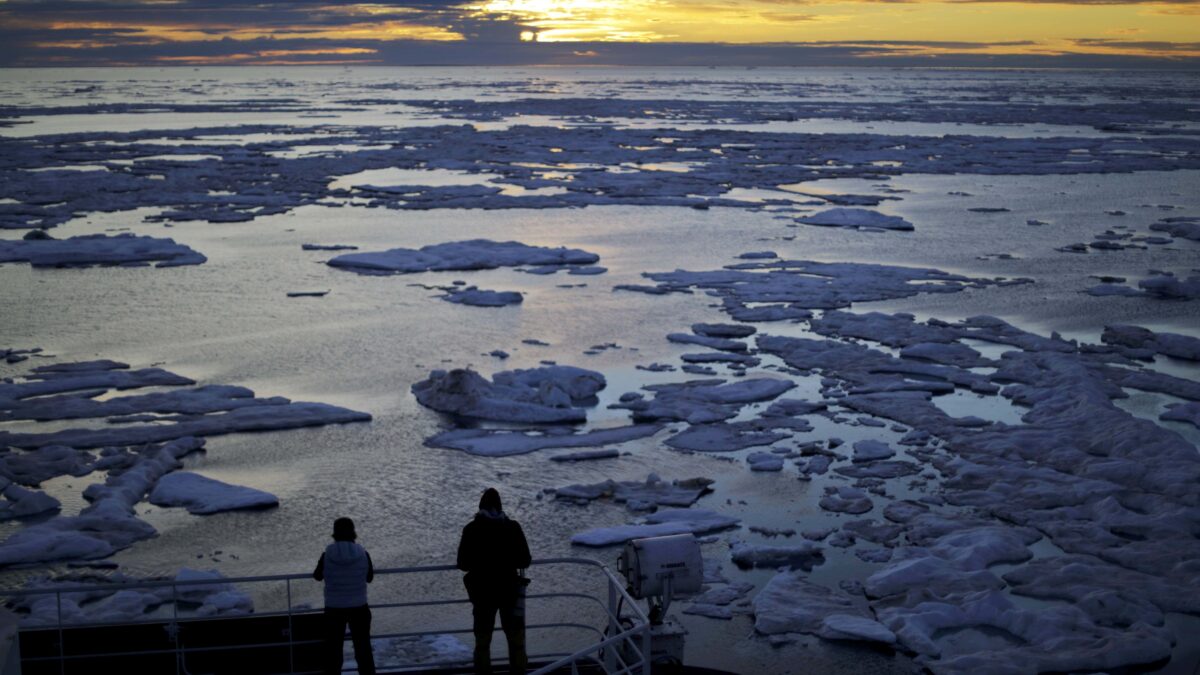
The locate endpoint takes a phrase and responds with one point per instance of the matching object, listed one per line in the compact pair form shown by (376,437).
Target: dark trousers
(511,621)
(359,619)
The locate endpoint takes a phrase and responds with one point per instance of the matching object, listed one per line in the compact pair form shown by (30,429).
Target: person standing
(346,569)
(492,551)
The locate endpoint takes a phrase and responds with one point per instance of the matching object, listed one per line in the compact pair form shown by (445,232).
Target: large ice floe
(548,395)
(201,494)
(789,289)
(97,249)
(864,219)
(143,439)
(475,254)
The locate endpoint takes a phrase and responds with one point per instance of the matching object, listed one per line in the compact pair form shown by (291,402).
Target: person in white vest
(346,569)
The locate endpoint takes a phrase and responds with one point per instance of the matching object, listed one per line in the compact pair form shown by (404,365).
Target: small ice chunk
(587,455)
(723,330)
(870,451)
(844,499)
(478,297)
(804,555)
(764,461)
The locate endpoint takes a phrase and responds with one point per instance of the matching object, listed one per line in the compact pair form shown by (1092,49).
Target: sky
(952,33)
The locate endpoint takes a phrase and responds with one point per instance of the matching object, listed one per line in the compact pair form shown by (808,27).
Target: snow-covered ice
(502,443)
(109,523)
(540,395)
(639,495)
(804,555)
(478,297)
(98,249)
(857,219)
(202,495)
(790,603)
(474,254)
(658,524)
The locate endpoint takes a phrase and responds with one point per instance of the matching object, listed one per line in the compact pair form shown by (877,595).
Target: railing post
(614,627)
(175,624)
(646,647)
(291,631)
(62,654)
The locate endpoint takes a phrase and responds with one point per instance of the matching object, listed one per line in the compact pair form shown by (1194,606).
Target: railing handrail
(616,590)
(168,583)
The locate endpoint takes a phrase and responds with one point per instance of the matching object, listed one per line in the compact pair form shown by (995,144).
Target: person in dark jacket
(346,569)
(491,551)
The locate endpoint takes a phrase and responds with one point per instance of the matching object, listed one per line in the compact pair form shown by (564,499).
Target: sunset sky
(1105,33)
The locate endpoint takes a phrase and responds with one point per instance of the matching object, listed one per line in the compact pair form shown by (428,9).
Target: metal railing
(619,646)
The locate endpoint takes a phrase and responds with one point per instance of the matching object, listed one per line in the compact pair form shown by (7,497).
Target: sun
(575,20)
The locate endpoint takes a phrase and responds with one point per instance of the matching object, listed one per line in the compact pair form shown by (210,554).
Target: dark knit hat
(343,530)
(490,501)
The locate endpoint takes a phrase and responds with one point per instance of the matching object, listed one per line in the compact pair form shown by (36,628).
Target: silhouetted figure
(491,551)
(346,569)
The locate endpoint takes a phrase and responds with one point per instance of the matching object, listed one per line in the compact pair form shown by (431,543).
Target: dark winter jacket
(346,569)
(491,550)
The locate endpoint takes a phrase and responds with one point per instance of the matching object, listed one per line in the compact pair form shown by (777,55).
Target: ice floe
(68,391)
(478,297)
(845,499)
(109,523)
(789,603)
(203,495)
(1182,412)
(870,451)
(474,254)
(953,638)
(98,249)
(788,289)
(660,523)
(764,461)
(703,401)
(503,443)
(1162,285)
(1167,344)
(644,495)
(1182,227)
(541,395)
(804,555)
(856,219)
(730,436)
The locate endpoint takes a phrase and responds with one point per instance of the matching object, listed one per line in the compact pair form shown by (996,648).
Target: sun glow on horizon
(862,29)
